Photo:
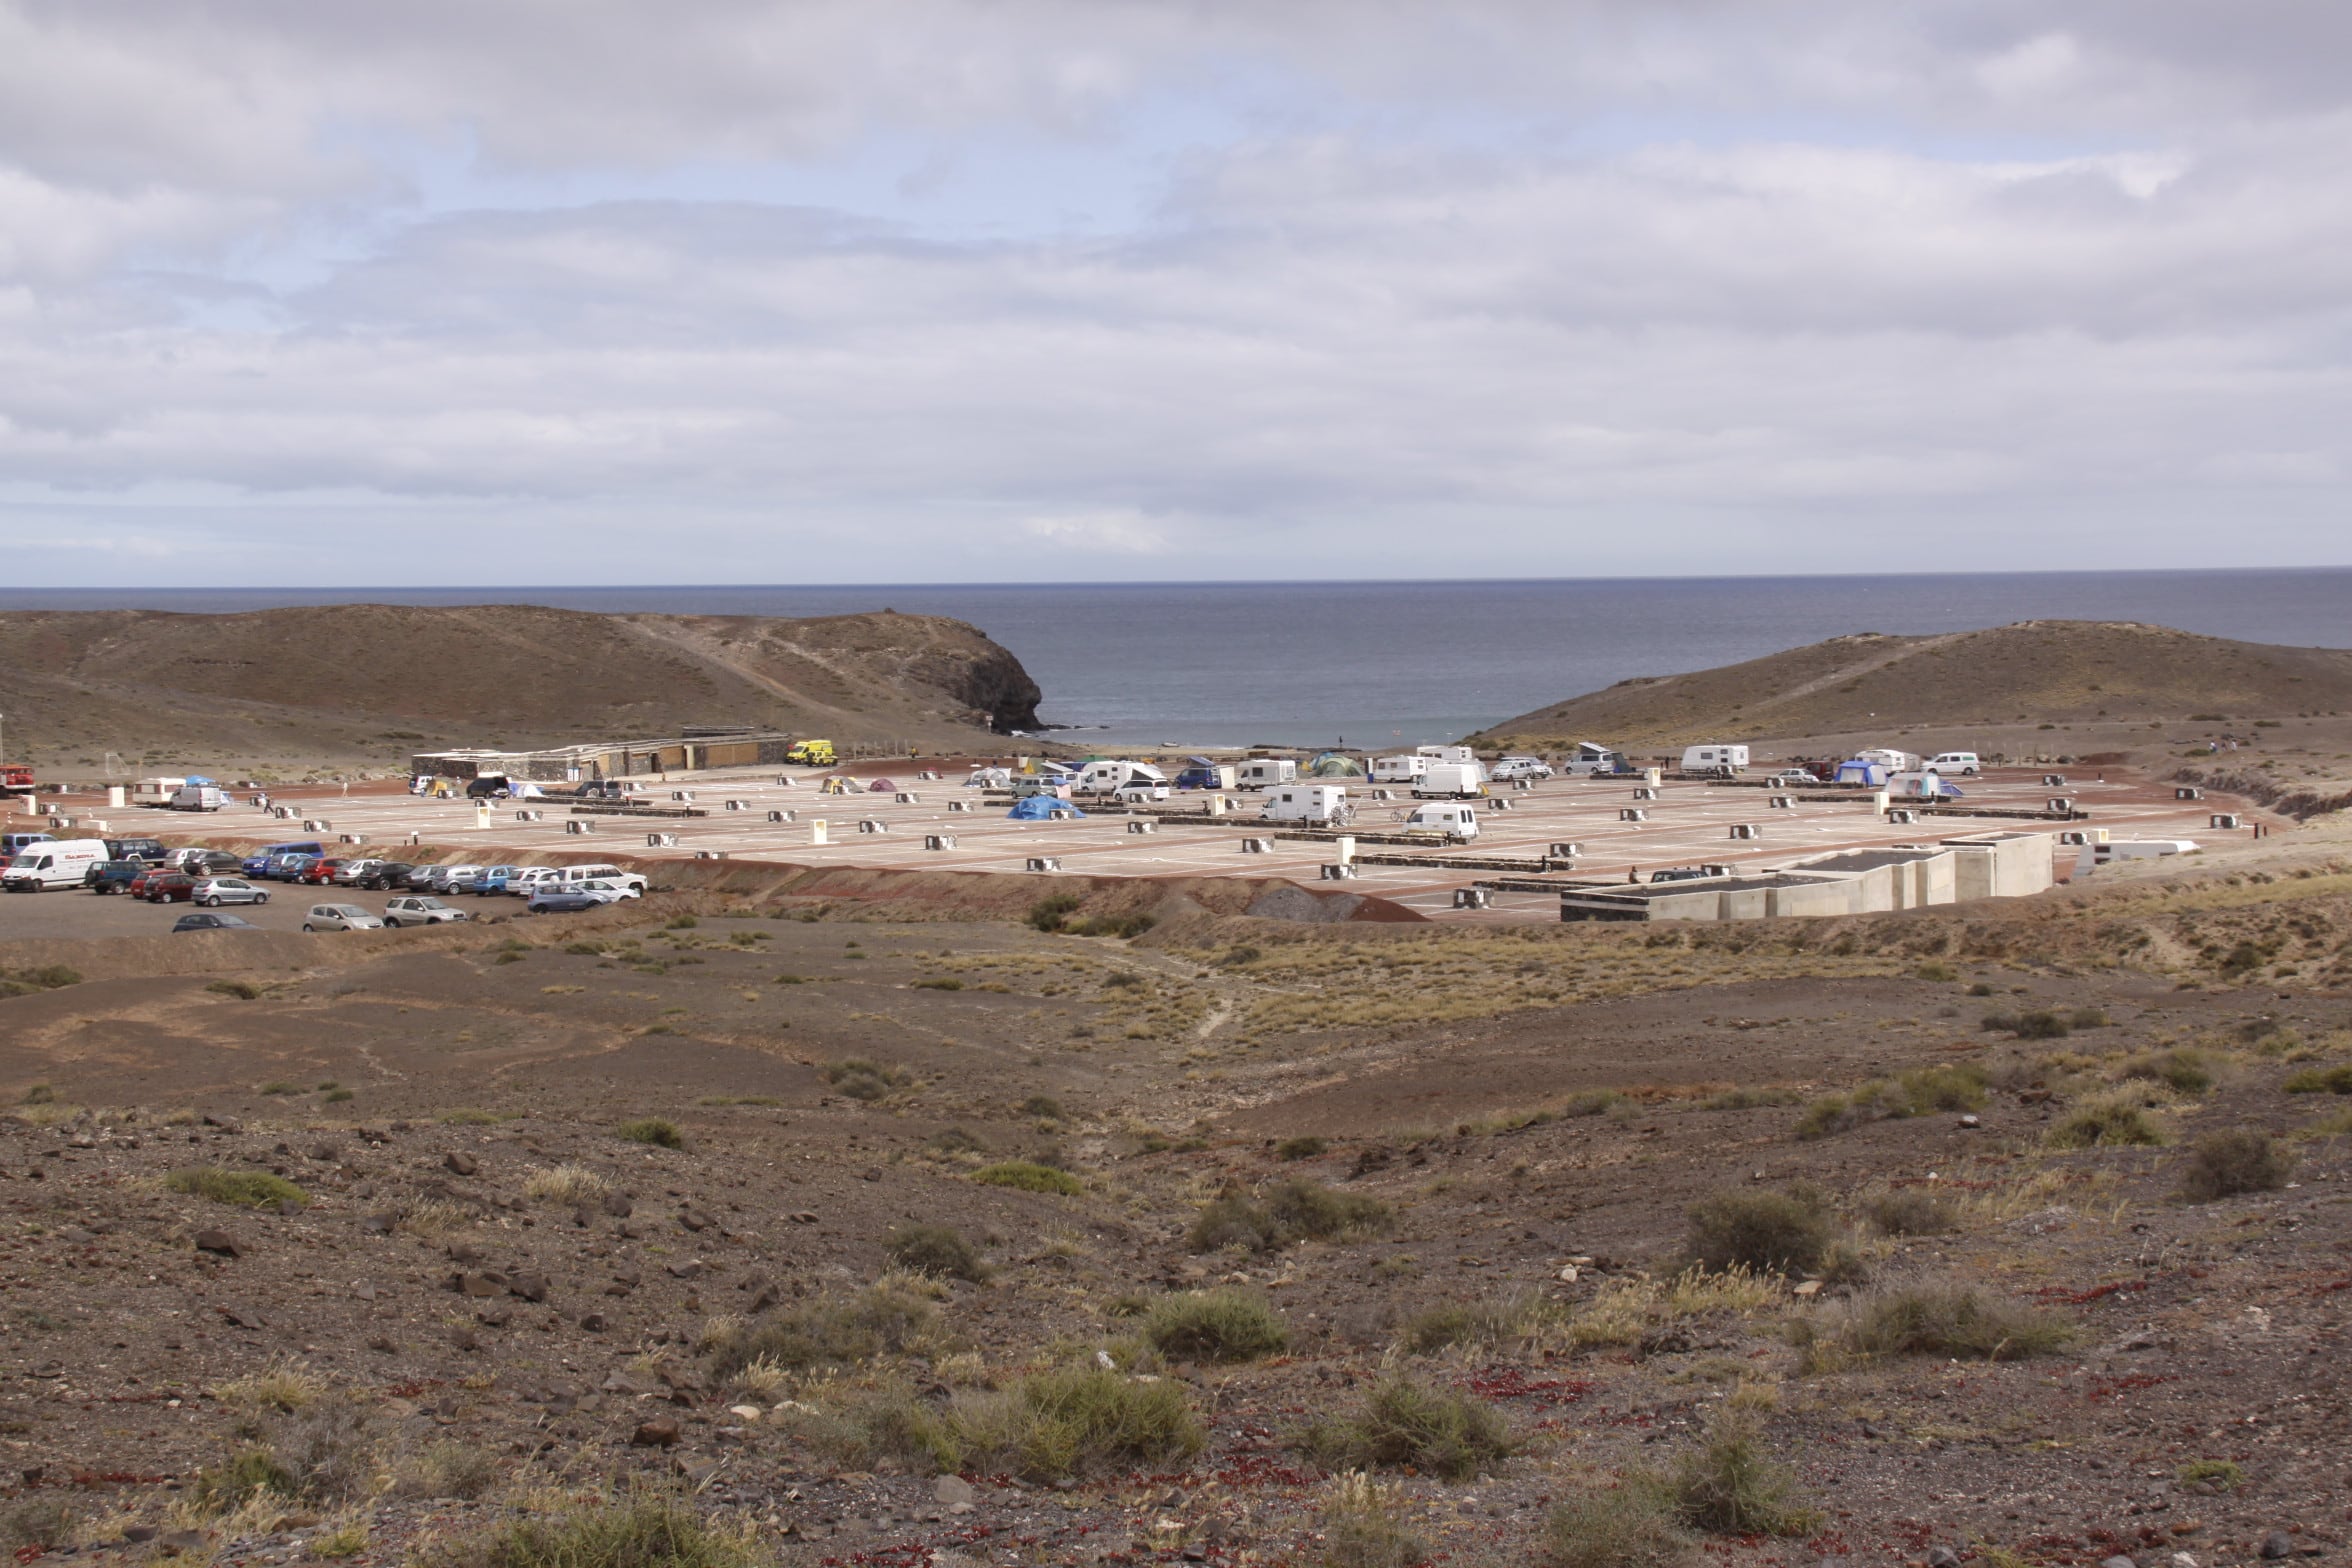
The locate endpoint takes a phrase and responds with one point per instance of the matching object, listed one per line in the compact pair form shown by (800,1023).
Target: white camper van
(155,792)
(1961,762)
(1264,772)
(1448,753)
(1714,757)
(1450,781)
(1399,770)
(1890,759)
(61,862)
(198,797)
(1107,776)
(1325,805)
(1450,821)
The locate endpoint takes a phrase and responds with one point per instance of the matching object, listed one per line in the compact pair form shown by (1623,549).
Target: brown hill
(370,681)
(2029,672)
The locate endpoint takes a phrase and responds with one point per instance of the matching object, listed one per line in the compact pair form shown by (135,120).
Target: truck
(1453,822)
(16,779)
(1714,759)
(1264,772)
(1323,805)
(1450,781)
(812,754)
(63,862)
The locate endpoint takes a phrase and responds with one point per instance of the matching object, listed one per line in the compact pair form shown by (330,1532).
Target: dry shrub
(1788,1232)
(1028,1176)
(445,1469)
(1729,1485)
(2114,1120)
(1407,1423)
(566,1184)
(1048,1426)
(1363,1527)
(1214,1325)
(1949,1320)
(641,1531)
(937,1250)
(888,1317)
(1912,1211)
(1631,1525)
(2183,1069)
(1290,1211)
(244,1189)
(653,1131)
(2235,1160)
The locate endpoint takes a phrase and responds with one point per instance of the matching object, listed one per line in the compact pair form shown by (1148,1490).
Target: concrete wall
(1826,897)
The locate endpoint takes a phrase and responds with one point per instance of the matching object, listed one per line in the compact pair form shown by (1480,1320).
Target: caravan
(1890,759)
(1450,781)
(1399,770)
(154,792)
(1322,805)
(1716,760)
(1264,772)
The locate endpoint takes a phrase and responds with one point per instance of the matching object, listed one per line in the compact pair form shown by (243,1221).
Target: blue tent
(1859,772)
(1039,808)
(195,778)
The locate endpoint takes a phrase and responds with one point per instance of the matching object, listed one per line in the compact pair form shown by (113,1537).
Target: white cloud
(1114,531)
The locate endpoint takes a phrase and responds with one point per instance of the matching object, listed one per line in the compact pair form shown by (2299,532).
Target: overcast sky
(538,291)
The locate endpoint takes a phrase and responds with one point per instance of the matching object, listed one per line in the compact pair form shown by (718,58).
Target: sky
(568,291)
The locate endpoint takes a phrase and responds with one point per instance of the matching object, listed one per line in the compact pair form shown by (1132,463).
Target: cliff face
(335,682)
(2033,671)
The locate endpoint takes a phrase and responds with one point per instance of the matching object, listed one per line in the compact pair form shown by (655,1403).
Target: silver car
(419,911)
(212,892)
(340,917)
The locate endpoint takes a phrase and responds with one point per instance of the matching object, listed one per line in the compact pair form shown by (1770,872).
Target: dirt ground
(486,1303)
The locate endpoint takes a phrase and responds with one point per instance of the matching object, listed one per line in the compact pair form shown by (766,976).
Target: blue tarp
(1038,808)
(195,778)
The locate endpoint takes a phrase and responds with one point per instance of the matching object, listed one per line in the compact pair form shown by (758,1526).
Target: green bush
(643,1531)
(2235,1160)
(1047,1426)
(48,977)
(1292,1210)
(1023,1176)
(1406,1423)
(835,1330)
(1955,1086)
(1785,1232)
(243,990)
(2180,1069)
(1632,1525)
(861,1079)
(1912,1211)
(2321,1080)
(2038,1025)
(652,1130)
(2106,1121)
(1043,1106)
(225,1488)
(245,1189)
(1729,1485)
(1049,912)
(937,1250)
(1214,1325)
(1950,1320)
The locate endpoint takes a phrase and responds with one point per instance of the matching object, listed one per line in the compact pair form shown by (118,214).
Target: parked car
(139,885)
(425,879)
(1198,778)
(1689,873)
(555,898)
(530,879)
(213,892)
(136,849)
(351,873)
(320,873)
(167,887)
(417,911)
(206,920)
(386,875)
(491,879)
(287,867)
(456,879)
(340,917)
(205,862)
(609,889)
(1507,769)
(114,876)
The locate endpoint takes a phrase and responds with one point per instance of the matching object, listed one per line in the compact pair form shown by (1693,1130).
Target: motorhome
(63,862)
(1714,758)
(1399,770)
(1109,775)
(1890,759)
(1324,805)
(2094,855)
(1961,762)
(198,797)
(155,792)
(1264,772)
(1451,821)
(1591,758)
(1450,781)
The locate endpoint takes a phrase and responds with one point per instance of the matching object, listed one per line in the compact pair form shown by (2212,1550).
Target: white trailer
(1324,805)
(155,792)
(1450,781)
(1714,757)
(1451,821)
(1264,772)
(1399,770)
(1890,759)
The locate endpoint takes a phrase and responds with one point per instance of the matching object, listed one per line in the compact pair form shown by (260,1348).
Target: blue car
(490,879)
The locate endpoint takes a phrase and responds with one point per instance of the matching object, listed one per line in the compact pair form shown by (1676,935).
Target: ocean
(1375,664)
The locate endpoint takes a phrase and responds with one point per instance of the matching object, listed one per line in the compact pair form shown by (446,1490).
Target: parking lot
(81,914)
(917,826)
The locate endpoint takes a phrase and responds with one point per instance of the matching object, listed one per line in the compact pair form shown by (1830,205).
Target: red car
(168,887)
(144,880)
(321,873)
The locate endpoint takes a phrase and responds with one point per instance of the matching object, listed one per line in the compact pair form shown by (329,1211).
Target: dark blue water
(1376,663)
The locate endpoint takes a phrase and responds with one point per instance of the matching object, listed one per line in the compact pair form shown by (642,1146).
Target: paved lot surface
(1689,823)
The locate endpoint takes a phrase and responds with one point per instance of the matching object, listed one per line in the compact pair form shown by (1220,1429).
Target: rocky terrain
(368,684)
(788,1229)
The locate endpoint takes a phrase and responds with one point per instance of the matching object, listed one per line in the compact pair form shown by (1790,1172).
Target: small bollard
(1044,863)
(1632,814)
(908,797)
(959,805)
(1472,898)
(529,816)
(710,854)
(1143,825)
(1746,830)
(1344,871)
(2222,819)
(661,841)
(872,825)
(939,841)
(783,816)
(1257,846)
(575,825)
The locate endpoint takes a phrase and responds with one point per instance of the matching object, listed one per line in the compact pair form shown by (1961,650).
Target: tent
(1857,771)
(1924,786)
(880,787)
(198,778)
(1040,808)
(1334,765)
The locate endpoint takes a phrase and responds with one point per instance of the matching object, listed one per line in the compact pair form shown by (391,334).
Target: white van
(1961,762)
(198,797)
(1592,758)
(155,792)
(1399,770)
(1456,823)
(1714,757)
(1108,776)
(1325,805)
(63,862)
(1264,772)
(1450,781)
(568,876)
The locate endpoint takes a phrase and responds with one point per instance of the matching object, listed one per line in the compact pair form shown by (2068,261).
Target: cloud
(1214,290)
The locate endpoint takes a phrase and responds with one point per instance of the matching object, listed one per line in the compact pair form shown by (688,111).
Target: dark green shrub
(1951,1320)
(836,1330)
(2181,1069)
(642,1531)
(2109,1120)
(1912,1211)
(861,1079)
(225,1488)
(1785,1232)
(2235,1160)
(1024,1176)
(1291,1210)
(1730,1485)
(245,1189)
(937,1250)
(1214,1325)
(2321,1080)
(652,1130)
(1043,1106)
(1050,912)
